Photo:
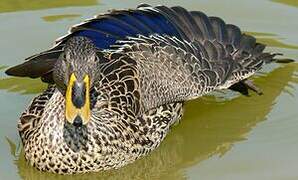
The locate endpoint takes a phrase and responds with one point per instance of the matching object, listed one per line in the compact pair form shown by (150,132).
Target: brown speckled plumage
(110,140)
(138,87)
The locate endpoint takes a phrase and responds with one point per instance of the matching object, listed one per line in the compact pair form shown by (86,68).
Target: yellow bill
(78,100)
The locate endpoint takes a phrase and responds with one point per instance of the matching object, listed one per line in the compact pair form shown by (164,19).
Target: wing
(106,29)
(172,70)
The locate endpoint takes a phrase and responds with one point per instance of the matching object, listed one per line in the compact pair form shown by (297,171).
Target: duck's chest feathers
(109,140)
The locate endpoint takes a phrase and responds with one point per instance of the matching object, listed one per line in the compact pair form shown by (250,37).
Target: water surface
(225,136)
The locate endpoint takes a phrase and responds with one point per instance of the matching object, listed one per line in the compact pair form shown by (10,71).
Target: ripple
(272,40)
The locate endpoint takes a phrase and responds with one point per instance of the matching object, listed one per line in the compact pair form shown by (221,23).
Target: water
(226,136)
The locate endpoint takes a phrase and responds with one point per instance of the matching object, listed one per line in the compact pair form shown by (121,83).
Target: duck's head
(74,74)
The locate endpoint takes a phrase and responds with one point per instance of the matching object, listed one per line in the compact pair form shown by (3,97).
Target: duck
(117,84)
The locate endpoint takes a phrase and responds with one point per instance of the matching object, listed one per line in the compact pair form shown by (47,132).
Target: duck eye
(64,56)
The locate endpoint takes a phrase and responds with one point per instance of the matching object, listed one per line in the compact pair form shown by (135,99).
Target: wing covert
(172,70)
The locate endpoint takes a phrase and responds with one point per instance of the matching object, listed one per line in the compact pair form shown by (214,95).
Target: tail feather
(234,35)
(258,49)
(247,43)
(204,24)
(189,25)
(219,28)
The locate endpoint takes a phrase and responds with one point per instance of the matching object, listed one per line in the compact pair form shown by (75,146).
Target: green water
(226,136)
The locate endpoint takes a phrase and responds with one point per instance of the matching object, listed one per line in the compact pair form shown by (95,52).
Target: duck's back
(106,29)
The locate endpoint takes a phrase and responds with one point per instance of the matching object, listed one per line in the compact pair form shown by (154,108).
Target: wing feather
(172,70)
(204,44)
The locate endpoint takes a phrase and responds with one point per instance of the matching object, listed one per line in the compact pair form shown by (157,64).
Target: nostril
(78,121)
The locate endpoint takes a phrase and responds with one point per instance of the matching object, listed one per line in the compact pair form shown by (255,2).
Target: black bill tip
(78,122)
